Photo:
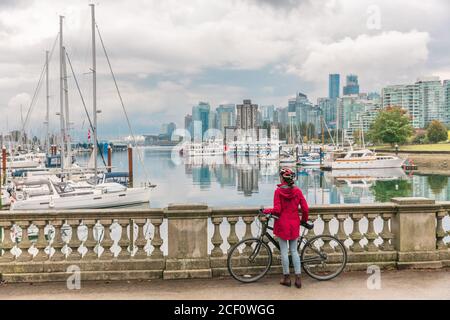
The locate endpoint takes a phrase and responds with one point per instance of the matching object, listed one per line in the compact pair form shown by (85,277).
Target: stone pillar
(187,241)
(414,229)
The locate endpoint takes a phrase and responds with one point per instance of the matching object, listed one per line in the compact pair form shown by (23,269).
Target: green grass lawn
(418,147)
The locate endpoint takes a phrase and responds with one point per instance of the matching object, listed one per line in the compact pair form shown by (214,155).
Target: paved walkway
(407,284)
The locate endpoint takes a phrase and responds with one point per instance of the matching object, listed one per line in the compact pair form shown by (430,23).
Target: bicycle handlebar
(268,216)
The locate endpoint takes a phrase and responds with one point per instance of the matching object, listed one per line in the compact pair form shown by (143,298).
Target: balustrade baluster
(356,235)
(157,241)
(123,241)
(371,235)
(107,242)
(74,242)
(440,232)
(232,237)
(41,242)
(90,243)
(25,243)
(58,242)
(7,244)
(386,233)
(141,242)
(326,232)
(311,233)
(65,230)
(341,235)
(248,233)
(217,238)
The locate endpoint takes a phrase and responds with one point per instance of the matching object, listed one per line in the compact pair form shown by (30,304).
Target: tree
(357,137)
(391,126)
(386,190)
(437,183)
(436,132)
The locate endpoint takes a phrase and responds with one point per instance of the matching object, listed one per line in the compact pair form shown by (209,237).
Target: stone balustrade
(192,241)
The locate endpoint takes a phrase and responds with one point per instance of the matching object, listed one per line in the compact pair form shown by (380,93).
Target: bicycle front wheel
(324,257)
(249,260)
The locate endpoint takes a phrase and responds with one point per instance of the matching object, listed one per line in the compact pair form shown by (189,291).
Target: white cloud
(379,59)
(161,50)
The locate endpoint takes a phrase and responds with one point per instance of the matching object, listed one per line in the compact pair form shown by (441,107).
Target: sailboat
(48,193)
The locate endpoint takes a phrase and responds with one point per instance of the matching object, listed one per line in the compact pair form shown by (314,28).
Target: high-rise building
(188,123)
(352,86)
(447,99)
(424,100)
(406,97)
(267,113)
(301,106)
(431,97)
(171,127)
(200,119)
(281,116)
(226,115)
(333,86)
(247,114)
(356,113)
(212,120)
(328,108)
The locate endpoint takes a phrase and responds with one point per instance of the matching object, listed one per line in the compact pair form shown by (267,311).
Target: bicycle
(323,257)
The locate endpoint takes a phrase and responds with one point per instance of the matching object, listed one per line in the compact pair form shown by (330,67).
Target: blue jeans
(285,257)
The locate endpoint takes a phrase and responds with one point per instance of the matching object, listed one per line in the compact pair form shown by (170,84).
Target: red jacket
(285,205)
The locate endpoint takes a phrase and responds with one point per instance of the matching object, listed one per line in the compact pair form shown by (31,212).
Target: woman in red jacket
(286,201)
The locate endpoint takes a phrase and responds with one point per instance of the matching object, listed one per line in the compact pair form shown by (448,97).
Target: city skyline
(161,76)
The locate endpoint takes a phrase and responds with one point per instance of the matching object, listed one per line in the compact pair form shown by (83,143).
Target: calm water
(245,181)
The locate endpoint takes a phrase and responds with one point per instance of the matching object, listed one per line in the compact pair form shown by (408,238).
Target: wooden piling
(3,165)
(109,158)
(130,166)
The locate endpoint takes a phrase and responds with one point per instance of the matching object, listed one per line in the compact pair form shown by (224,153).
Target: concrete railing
(183,241)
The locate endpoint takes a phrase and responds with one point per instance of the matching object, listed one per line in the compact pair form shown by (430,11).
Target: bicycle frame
(301,240)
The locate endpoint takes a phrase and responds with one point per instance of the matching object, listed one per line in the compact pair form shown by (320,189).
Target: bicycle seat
(307,225)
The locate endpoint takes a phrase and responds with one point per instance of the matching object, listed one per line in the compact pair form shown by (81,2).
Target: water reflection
(238,181)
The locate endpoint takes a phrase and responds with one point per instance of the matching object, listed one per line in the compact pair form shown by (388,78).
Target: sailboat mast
(66,110)
(94,89)
(337,124)
(47,116)
(61,95)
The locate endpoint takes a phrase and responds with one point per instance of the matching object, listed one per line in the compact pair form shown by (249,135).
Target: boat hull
(91,201)
(367,164)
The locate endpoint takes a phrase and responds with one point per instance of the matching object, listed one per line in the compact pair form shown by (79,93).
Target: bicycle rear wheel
(249,260)
(324,257)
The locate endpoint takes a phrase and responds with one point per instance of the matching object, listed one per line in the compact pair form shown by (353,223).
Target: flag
(89,135)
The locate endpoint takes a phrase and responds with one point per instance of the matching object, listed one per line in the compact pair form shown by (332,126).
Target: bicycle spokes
(249,260)
(324,257)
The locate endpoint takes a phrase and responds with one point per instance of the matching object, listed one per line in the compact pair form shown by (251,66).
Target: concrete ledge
(91,265)
(362,266)
(418,256)
(218,262)
(187,274)
(376,256)
(85,276)
(444,254)
(420,265)
(187,264)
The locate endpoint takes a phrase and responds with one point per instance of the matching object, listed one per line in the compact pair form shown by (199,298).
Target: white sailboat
(48,193)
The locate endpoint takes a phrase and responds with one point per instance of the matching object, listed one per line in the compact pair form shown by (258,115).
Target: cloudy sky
(168,55)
